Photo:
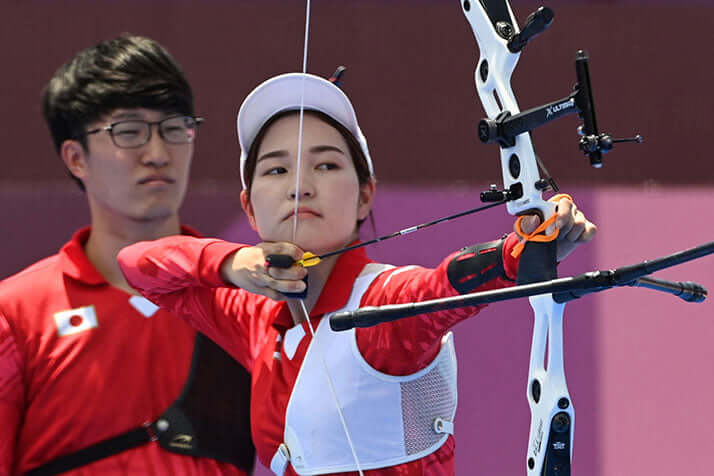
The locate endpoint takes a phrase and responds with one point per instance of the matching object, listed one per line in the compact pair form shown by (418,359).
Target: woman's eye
(275,171)
(328,166)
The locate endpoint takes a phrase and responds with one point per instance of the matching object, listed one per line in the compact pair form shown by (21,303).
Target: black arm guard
(476,265)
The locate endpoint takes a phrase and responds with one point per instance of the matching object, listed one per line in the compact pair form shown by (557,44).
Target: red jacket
(182,274)
(71,379)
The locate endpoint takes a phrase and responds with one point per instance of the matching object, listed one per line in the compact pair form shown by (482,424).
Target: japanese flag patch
(76,320)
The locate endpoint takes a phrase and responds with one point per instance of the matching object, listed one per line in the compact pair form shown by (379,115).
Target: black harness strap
(210,419)
(103,449)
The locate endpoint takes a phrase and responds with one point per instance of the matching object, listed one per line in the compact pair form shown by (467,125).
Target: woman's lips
(156,179)
(302,212)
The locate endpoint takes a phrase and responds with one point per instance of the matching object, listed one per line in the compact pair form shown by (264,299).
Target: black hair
(125,72)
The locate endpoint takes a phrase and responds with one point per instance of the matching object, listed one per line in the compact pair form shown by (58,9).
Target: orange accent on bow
(536,234)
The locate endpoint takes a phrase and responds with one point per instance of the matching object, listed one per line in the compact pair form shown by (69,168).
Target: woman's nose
(302,191)
(303,187)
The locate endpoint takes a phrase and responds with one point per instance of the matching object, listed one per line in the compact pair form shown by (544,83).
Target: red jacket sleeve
(182,274)
(405,346)
(11,395)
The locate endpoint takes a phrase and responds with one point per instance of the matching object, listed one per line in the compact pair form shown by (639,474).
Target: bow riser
(493,78)
(551,432)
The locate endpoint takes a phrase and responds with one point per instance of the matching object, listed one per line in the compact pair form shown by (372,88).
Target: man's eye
(127,132)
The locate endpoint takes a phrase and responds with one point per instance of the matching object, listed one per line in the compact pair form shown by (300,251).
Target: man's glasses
(135,133)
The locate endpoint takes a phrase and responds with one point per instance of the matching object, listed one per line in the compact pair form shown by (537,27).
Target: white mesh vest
(391,419)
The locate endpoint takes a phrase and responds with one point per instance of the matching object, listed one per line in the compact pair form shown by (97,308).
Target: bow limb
(550,442)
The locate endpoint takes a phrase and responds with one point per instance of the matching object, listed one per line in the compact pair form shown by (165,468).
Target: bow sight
(505,126)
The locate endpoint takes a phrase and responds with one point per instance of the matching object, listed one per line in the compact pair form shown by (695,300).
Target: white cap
(285,93)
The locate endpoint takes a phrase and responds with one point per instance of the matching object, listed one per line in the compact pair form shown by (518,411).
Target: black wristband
(476,265)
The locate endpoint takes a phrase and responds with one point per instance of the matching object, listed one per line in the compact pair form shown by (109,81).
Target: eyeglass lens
(175,130)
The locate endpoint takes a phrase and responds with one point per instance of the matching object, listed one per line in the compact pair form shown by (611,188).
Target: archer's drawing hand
(248,270)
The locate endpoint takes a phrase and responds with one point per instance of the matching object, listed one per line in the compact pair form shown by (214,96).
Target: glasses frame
(110,129)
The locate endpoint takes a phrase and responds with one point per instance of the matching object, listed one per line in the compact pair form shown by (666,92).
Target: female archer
(378,400)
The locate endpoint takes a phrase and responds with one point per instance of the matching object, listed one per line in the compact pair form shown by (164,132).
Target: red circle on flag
(76,320)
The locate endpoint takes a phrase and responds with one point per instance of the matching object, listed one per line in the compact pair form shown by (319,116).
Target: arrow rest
(493,194)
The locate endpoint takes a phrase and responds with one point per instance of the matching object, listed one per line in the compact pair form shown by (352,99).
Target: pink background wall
(638,363)
(655,352)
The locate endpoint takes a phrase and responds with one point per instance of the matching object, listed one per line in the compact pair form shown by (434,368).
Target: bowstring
(306,314)
(301,118)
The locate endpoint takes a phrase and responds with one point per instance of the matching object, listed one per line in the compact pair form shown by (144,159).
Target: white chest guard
(391,419)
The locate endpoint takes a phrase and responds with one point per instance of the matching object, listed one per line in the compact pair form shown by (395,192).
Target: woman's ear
(248,209)
(366,198)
